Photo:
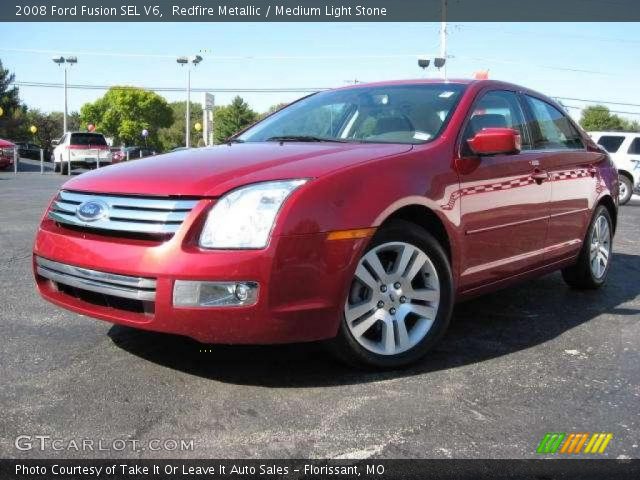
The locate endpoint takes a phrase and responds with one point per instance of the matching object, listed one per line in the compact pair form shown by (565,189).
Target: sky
(596,61)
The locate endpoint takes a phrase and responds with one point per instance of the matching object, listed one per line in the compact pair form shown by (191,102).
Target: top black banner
(319,10)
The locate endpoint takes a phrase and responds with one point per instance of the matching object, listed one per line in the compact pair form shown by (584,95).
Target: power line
(610,111)
(264,90)
(600,101)
(170,89)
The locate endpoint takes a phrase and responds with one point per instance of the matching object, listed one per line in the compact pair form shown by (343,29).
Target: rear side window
(496,109)
(611,143)
(634,148)
(87,139)
(552,130)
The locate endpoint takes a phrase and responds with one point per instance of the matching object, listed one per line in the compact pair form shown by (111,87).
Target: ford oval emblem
(92,210)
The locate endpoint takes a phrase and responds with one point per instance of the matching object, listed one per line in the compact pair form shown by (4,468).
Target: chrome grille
(155,216)
(136,288)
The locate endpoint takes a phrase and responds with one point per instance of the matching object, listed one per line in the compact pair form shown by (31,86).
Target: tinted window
(87,139)
(552,129)
(611,143)
(496,109)
(634,148)
(381,114)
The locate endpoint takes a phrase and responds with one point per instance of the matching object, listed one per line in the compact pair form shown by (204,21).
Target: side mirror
(55,143)
(496,141)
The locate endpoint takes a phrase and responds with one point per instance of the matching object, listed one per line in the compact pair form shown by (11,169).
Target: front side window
(495,109)
(611,143)
(552,129)
(406,114)
(634,148)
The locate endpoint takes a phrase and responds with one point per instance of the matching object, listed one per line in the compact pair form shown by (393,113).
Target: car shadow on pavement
(491,326)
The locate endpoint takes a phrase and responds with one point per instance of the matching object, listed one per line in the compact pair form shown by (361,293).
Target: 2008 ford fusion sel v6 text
(357,216)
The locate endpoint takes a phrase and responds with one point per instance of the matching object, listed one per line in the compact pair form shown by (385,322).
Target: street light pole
(64,118)
(188,61)
(188,116)
(63,62)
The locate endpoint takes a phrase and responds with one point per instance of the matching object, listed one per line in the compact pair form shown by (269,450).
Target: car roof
(476,84)
(615,133)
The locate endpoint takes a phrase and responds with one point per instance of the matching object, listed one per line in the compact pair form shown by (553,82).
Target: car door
(573,174)
(503,198)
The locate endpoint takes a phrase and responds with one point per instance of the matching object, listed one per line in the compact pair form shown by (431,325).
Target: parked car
(6,154)
(624,149)
(32,150)
(81,149)
(356,216)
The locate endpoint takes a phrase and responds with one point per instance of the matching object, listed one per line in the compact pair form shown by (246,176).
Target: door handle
(540,176)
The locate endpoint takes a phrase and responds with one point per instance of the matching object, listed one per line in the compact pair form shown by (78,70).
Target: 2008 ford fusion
(357,216)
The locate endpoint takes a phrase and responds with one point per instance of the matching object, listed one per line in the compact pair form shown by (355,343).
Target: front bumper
(303,282)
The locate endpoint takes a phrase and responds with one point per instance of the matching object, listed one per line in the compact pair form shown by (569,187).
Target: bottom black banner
(318,469)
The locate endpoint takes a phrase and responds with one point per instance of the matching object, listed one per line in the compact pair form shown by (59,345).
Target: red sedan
(356,216)
(6,154)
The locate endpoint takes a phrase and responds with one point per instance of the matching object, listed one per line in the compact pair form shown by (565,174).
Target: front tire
(592,267)
(625,189)
(399,302)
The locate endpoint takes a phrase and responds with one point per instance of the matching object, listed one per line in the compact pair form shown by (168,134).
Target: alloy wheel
(394,298)
(600,249)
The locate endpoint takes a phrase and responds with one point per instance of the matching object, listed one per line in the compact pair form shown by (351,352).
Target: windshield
(382,114)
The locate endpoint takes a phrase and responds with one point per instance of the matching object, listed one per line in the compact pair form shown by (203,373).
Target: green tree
(49,126)
(173,136)
(598,117)
(13,112)
(123,112)
(231,119)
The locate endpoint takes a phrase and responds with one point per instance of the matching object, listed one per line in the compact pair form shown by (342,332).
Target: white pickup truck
(624,149)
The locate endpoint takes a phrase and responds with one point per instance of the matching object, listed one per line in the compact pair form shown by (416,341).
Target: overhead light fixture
(439,62)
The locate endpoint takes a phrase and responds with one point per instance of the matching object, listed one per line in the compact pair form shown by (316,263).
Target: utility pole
(443,38)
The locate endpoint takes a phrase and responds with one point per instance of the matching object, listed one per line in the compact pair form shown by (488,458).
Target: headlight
(244,217)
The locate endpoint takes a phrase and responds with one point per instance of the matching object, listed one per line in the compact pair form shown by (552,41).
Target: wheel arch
(626,174)
(426,218)
(610,205)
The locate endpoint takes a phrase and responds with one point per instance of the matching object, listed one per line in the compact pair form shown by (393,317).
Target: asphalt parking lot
(515,364)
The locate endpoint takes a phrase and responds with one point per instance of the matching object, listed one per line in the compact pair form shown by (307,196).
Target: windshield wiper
(234,140)
(303,138)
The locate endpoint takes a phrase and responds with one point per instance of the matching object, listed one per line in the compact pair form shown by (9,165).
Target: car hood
(212,171)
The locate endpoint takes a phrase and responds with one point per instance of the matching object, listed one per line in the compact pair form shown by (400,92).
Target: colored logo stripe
(550,442)
(572,443)
(598,443)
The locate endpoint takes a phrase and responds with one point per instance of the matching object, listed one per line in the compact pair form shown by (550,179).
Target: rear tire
(406,312)
(626,189)
(592,267)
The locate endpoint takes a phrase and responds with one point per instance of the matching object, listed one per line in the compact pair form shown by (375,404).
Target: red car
(357,216)
(6,154)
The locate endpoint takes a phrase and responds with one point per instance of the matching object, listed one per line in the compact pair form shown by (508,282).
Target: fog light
(188,293)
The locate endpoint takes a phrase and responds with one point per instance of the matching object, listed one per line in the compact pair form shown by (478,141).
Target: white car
(624,149)
(80,149)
